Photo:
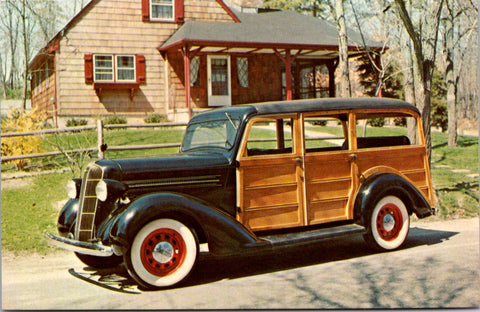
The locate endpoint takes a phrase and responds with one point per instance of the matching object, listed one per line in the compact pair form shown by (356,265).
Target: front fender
(379,185)
(222,232)
(67,217)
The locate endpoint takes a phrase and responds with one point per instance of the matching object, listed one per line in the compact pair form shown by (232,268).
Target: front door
(270,175)
(219,87)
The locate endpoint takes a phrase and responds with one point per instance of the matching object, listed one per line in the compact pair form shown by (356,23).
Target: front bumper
(92,249)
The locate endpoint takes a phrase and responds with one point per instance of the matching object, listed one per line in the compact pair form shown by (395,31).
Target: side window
(325,133)
(383,131)
(270,136)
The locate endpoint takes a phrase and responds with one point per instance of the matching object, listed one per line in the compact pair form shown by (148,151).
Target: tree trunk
(450,77)
(345,87)
(424,46)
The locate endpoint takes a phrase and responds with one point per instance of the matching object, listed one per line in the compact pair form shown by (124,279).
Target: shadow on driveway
(208,270)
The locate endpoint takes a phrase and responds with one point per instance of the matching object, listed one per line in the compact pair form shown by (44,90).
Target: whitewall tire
(163,253)
(389,224)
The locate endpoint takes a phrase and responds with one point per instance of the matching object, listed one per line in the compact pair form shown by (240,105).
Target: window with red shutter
(163,10)
(140,66)
(88,58)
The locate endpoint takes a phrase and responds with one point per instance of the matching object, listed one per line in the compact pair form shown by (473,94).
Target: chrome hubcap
(163,252)
(388,222)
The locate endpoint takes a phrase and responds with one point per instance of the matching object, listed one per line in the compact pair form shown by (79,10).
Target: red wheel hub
(389,222)
(163,251)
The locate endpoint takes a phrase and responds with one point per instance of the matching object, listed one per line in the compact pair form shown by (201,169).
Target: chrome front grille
(85,228)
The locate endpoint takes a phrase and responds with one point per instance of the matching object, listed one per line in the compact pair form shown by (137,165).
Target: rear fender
(379,185)
(222,232)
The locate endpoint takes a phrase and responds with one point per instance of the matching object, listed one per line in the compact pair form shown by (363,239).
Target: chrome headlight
(110,190)
(73,188)
(101,190)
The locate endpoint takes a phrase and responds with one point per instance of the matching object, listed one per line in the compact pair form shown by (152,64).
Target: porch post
(186,70)
(331,78)
(288,74)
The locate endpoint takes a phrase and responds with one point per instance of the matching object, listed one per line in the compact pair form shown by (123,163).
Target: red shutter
(145,10)
(179,18)
(140,65)
(88,68)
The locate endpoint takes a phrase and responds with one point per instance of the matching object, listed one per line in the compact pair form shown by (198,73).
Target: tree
(345,86)
(424,40)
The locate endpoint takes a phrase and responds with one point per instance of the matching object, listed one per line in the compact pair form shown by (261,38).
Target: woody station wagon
(250,179)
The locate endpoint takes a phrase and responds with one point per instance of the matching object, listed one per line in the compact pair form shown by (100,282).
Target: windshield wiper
(231,121)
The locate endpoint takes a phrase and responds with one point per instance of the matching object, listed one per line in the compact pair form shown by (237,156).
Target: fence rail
(100,127)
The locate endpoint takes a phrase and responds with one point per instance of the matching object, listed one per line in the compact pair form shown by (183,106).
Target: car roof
(309,105)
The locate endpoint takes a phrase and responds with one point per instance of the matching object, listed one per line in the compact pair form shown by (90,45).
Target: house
(172,57)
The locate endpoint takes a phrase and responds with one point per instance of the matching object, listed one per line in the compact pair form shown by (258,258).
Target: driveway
(437,268)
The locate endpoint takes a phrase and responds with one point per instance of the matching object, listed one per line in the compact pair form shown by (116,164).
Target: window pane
(103,68)
(268,137)
(324,134)
(194,68)
(384,131)
(162,9)
(242,69)
(125,68)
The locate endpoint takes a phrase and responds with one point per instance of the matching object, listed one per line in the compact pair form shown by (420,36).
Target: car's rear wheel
(162,254)
(389,224)
(99,262)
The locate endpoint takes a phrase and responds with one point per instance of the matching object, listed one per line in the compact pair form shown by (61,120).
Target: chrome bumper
(92,249)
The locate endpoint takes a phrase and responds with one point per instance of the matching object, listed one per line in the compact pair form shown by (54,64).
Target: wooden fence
(100,128)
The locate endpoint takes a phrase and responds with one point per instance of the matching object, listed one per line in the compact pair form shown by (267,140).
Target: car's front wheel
(389,224)
(162,253)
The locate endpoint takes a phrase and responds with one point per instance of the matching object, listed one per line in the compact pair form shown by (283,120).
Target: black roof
(310,105)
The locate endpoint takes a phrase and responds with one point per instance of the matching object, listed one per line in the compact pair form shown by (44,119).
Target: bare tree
(345,86)
(424,40)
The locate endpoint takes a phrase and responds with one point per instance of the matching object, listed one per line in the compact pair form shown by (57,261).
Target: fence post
(100,139)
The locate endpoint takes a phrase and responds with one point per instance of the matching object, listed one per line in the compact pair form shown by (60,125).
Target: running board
(312,235)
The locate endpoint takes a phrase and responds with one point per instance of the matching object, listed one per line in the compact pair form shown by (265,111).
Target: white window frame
(117,68)
(151,5)
(95,68)
(114,69)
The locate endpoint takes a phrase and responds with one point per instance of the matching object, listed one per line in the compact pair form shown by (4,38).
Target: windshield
(211,134)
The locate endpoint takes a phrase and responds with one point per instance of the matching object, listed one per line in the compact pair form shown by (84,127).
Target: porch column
(288,61)
(331,78)
(288,74)
(186,70)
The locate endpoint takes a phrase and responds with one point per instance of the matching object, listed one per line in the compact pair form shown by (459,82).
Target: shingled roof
(267,30)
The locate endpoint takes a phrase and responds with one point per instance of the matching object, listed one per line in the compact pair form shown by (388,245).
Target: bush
(377,122)
(155,118)
(115,120)
(76,122)
(22,121)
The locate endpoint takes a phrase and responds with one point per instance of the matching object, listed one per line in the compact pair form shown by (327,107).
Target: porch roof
(265,32)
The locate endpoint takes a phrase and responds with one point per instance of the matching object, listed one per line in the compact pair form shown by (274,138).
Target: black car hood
(145,168)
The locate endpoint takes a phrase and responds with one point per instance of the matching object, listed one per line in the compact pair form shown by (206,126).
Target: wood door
(269,176)
(329,176)
(219,77)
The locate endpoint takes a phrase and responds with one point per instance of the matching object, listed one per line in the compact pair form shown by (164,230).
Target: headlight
(101,190)
(110,190)
(73,188)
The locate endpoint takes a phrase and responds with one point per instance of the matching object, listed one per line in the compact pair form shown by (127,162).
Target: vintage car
(251,179)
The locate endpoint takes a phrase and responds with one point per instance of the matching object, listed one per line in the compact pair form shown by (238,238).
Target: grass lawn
(31,206)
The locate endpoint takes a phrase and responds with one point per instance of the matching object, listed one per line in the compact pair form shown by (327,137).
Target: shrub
(76,122)
(22,121)
(155,118)
(377,122)
(115,120)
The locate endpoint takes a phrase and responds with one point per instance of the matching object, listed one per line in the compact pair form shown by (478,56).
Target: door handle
(298,160)
(352,157)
